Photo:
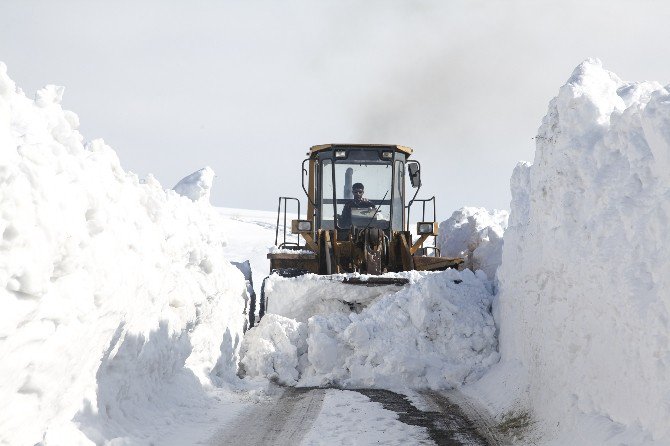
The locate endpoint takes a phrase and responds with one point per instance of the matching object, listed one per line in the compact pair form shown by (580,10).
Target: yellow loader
(357,223)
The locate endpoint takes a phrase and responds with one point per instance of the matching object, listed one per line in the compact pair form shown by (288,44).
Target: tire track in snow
(285,422)
(483,423)
(450,419)
(446,423)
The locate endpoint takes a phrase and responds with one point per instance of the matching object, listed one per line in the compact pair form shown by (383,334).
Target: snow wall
(117,306)
(584,304)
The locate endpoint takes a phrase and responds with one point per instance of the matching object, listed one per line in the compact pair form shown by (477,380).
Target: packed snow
(584,306)
(437,332)
(348,418)
(118,307)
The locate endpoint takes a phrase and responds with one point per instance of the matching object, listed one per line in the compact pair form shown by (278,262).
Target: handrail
(279,207)
(423,202)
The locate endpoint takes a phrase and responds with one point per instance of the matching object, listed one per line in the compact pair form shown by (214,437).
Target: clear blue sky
(247,87)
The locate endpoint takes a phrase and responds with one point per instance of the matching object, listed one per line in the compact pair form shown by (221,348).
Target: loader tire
(252,310)
(263,302)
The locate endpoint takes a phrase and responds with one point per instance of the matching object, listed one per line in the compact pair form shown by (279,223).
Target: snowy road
(283,423)
(312,416)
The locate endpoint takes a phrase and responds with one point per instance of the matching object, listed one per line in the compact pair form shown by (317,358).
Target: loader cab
(334,169)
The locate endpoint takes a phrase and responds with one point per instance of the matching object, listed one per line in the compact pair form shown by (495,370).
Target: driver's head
(357,189)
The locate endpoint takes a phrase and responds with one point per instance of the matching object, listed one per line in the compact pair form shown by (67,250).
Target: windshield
(362,193)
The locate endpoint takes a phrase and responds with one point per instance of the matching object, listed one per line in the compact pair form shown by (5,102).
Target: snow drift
(476,235)
(437,332)
(584,305)
(114,291)
(196,186)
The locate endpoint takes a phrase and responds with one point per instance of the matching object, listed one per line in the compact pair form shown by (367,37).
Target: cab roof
(314,149)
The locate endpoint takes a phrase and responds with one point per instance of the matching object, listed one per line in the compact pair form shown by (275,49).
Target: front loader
(373,239)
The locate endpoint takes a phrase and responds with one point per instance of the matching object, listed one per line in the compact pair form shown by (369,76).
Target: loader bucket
(302,296)
(376,281)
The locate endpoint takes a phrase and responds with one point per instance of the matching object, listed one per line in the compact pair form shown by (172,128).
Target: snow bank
(437,332)
(117,305)
(585,292)
(476,235)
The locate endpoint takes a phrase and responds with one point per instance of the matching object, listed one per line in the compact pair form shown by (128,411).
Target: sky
(247,87)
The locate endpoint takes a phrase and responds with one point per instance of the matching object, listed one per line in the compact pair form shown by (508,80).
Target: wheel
(252,310)
(263,302)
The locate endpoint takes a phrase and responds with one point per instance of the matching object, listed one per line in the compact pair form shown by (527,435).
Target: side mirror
(414,174)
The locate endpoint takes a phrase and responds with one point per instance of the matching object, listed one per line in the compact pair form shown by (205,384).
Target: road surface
(289,420)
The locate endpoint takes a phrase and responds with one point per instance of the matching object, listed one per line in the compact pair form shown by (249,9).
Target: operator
(359,202)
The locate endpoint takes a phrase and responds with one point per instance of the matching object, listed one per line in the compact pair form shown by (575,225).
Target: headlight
(340,154)
(386,154)
(424,227)
(301,226)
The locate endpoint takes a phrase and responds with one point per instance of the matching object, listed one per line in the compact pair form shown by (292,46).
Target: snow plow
(357,226)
